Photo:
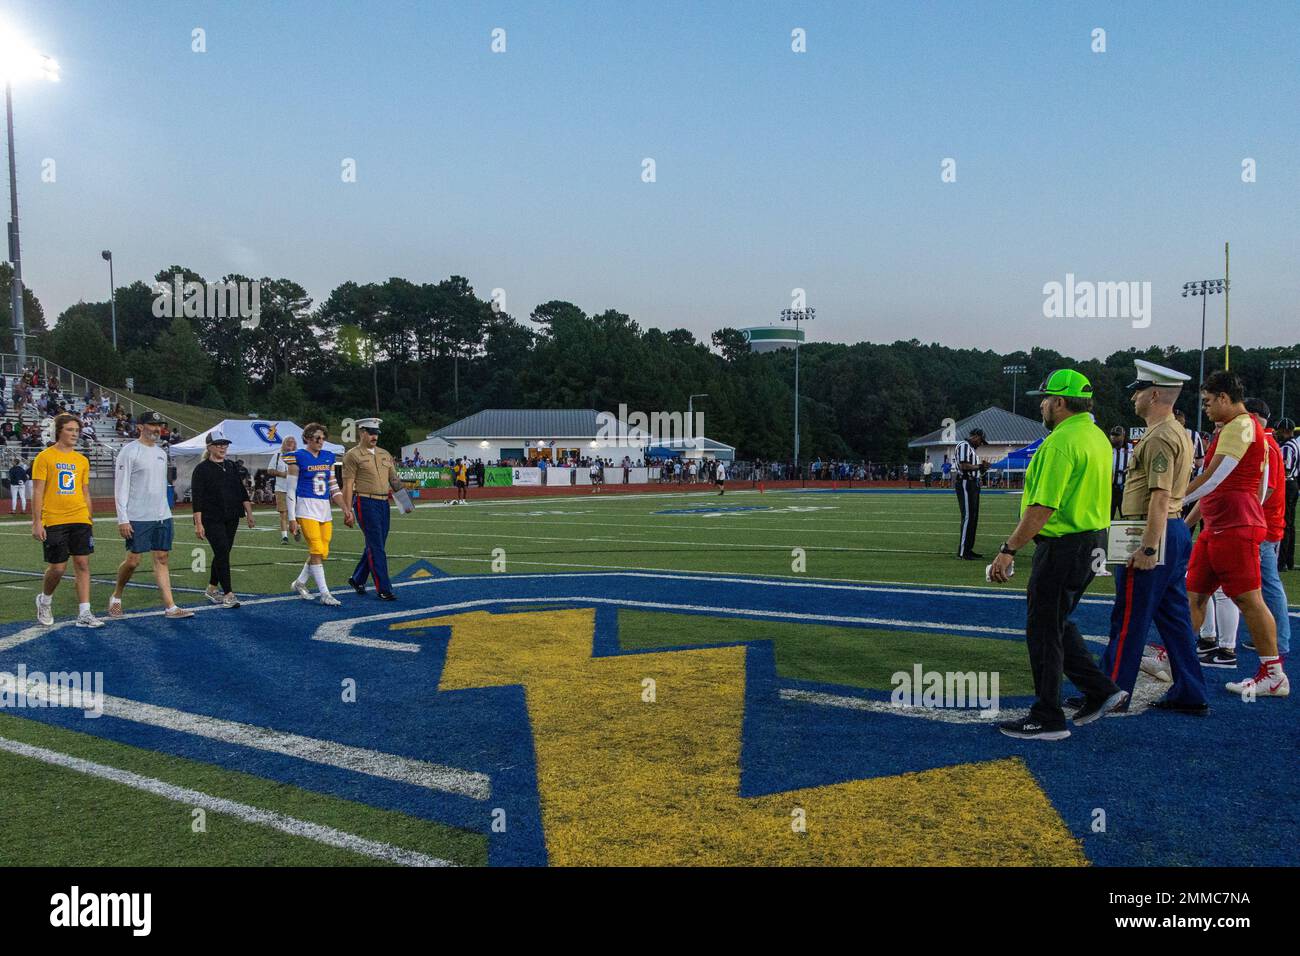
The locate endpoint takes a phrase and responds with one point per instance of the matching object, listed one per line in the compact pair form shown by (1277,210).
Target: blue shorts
(149,536)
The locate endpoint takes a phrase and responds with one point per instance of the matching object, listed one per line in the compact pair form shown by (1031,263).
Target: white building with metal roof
(1004,433)
(555,434)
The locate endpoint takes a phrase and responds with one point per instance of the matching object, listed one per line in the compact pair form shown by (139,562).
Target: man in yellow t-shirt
(460,472)
(61,519)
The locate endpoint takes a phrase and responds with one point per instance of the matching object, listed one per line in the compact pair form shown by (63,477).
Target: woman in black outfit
(219,499)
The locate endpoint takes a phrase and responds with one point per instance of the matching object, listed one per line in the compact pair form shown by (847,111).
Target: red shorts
(1228,560)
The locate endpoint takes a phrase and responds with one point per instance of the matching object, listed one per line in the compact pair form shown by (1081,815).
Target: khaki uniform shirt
(371,471)
(1162,459)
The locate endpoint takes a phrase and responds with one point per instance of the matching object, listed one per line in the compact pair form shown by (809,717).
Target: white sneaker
(178,613)
(213,596)
(44,613)
(329,600)
(1269,681)
(1157,665)
(301,588)
(88,620)
(230,600)
(114,607)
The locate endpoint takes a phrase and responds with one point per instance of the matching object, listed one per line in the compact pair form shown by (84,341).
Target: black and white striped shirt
(1198,451)
(1119,458)
(1291,458)
(964,453)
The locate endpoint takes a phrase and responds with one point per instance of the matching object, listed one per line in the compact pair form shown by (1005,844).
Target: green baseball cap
(1064,383)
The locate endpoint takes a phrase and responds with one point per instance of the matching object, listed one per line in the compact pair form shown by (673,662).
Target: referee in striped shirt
(1284,432)
(967,483)
(1119,457)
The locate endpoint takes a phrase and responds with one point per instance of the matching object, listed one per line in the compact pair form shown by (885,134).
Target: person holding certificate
(1151,587)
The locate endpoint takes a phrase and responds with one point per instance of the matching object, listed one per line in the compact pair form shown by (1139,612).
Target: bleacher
(102,448)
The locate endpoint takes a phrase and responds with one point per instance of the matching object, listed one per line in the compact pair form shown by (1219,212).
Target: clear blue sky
(775,170)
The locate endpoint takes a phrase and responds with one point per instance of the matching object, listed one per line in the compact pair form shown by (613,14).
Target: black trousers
(1286,554)
(1116,499)
(221,536)
(968,503)
(1062,570)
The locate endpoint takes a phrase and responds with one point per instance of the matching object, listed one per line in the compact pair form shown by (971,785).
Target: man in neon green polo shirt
(1066,511)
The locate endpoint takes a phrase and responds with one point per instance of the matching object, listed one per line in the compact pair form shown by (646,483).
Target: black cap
(975,431)
(152,418)
(1284,424)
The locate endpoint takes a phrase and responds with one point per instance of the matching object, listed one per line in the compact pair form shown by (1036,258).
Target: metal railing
(73,384)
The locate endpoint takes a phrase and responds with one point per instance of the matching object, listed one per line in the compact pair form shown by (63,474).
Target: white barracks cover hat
(1149,373)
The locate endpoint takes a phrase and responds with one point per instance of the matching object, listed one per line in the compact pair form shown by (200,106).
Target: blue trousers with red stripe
(372,516)
(1158,597)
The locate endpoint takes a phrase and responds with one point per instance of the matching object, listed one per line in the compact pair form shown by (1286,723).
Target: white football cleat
(302,590)
(329,600)
(1269,681)
(1157,665)
(44,613)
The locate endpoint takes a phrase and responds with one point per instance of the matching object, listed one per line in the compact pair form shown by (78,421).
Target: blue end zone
(1158,777)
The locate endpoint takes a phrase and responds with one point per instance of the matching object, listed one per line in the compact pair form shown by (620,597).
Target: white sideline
(249,814)
(330,753)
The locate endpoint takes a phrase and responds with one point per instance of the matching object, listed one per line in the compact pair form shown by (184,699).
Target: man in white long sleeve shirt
(143,517)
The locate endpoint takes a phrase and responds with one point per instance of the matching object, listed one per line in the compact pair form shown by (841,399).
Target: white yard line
(243,811)
(947,715)
(330,753)
(340,631)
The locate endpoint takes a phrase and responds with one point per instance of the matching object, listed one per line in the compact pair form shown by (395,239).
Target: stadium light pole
(796,316)
(690,411)
(112,298)
(1014,371)
(18,61)
(1204,288)
(1283,364)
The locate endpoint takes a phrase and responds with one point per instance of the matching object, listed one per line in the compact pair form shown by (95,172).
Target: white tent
(252,440)
(248,436)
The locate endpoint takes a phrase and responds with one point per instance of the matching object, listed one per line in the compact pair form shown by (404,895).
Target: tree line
(424,354)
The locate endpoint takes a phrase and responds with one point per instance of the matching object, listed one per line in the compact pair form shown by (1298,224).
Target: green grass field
(907,538)
(852,537)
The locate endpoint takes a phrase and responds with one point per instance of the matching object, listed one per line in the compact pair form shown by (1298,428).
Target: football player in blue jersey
(312,490)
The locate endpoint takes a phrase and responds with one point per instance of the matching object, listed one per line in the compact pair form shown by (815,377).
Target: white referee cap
(1149,374)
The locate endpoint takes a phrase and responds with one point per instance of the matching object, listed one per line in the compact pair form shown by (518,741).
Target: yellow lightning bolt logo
(623,781)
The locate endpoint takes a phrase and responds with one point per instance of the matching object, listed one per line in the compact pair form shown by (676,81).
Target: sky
(774,170)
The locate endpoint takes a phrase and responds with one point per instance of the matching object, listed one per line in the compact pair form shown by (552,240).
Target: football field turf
(660,678)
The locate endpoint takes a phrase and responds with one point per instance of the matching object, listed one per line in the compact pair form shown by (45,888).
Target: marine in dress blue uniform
(1147,593)
(369,475)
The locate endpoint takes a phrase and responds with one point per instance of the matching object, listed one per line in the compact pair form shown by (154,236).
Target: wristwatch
(1149,552)
(1005,550)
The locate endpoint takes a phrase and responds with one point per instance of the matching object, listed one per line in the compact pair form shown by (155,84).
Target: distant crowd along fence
(750,473)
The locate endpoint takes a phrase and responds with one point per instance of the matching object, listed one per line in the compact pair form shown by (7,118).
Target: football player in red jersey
(1228,497)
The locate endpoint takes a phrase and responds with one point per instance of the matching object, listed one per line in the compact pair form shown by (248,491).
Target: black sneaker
(1076,702)
(1097,709)
(387,596)
(1219,657)
(972,556)
(1198,710)
(359,588)
(1204,644)
(1029,729)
